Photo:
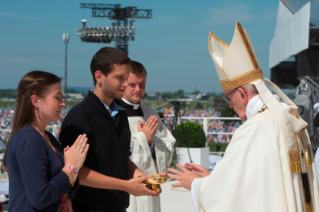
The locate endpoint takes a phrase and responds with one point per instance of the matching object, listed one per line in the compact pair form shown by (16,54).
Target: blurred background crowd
(217,130)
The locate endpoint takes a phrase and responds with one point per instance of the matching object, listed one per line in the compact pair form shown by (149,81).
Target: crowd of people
(213,126)
(217,130)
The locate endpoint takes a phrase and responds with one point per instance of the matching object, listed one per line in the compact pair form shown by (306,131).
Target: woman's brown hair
(34,82)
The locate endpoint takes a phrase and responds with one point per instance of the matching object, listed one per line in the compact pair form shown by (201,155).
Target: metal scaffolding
(121,31)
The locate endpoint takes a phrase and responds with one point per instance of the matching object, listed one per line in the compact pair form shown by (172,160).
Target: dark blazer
(36,182)
(108,153)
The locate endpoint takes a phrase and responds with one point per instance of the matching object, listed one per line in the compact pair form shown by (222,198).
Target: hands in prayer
(149,128)
(187,174)
(76,154)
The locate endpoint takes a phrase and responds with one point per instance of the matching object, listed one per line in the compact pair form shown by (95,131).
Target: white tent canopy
(291,34)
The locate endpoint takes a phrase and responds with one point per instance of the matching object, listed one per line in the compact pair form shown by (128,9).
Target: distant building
(75,96)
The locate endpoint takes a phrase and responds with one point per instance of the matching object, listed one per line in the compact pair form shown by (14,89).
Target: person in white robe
(268,165)
(151,148)
(317,163)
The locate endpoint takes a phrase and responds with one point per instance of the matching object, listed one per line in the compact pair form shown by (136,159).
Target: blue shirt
(114,108)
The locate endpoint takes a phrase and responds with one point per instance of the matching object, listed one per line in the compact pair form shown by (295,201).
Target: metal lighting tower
(120,32)
(66,38)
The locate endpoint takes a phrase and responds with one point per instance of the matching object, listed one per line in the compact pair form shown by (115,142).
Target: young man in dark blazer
(106,174)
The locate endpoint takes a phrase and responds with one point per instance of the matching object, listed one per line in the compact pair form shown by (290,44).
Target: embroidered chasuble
(152,159)
(255,173)
(268,165)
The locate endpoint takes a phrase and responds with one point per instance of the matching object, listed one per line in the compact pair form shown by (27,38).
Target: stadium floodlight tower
(66,39)
(120,32)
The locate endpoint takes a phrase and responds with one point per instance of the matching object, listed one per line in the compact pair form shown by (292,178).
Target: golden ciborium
(155,179)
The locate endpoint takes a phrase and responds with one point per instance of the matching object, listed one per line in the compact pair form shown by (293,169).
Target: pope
(268,165)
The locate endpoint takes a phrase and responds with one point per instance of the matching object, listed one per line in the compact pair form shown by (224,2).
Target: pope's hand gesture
(185,177)
(197,169)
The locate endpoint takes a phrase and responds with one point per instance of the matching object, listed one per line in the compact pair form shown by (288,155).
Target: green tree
(145,96)
(8,93)
(194,133)
(196,92)
(166,95)
(157,95)
(228,112)
(180,94)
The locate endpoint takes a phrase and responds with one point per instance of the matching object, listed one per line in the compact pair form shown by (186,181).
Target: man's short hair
(105,59)
(138,68)
(251,88)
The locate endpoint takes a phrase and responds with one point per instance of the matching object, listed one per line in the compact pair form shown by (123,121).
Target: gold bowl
(155,179)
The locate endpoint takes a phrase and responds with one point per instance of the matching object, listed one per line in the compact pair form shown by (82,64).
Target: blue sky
(173,45)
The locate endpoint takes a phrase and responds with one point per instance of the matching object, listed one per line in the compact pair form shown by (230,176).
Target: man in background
(151,142)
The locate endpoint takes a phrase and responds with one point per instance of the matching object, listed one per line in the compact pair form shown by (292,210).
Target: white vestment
(254,174)
(142,157)
(317,163)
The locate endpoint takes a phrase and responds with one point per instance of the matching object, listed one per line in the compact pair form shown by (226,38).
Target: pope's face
(238,101)
(135,90)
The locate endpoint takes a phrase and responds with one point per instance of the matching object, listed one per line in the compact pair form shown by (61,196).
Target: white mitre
(237,65)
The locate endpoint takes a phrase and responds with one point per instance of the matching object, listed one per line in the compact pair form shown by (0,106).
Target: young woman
(42,176)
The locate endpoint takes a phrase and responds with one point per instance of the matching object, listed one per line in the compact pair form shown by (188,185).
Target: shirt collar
(135,106)
(254,104)
(114,107)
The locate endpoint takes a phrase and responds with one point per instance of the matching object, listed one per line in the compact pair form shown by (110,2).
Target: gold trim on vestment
(307,149)
(249,50)
(308,156)
(210,50)
(211,34)
(308,206)
(294,157)
(243,79)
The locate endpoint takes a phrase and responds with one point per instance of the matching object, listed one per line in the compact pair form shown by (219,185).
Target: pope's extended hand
(185,177)
(197,169)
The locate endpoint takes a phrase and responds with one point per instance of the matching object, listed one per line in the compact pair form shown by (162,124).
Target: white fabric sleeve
(193,194)
(317,163)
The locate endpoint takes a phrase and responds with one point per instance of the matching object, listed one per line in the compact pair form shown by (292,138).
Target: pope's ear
(35,100)
(243,93)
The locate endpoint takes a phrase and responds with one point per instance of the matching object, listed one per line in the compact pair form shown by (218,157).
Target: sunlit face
(136,88)
(238,101)
(50,106)
(114,84)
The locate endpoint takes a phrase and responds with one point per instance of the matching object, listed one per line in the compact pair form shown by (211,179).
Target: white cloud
(5,14)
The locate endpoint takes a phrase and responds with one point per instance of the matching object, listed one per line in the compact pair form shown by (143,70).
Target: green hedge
(212,147)
(194,134)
